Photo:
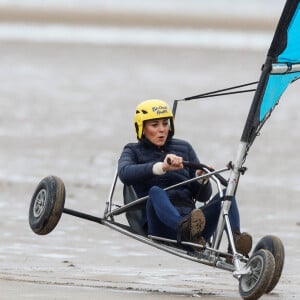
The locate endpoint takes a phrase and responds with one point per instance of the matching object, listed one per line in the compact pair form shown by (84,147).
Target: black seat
(135,214)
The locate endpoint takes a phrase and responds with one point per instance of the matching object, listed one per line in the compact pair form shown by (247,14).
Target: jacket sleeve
(130,171)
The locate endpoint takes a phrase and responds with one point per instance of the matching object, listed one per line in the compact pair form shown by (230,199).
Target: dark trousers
(163,217)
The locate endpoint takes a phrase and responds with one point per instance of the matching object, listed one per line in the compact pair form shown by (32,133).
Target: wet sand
(174,14)
(66,109)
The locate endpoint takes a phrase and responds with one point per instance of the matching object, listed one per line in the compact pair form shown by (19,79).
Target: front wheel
(47,205)
(275,246)
(262,267)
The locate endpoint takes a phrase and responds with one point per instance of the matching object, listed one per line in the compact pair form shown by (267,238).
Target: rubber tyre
(253,285)
(47,204)
(275,246)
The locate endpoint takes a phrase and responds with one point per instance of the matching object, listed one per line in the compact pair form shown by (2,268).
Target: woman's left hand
(200,173)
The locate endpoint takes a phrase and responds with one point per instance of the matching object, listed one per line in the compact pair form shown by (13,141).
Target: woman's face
(157,130)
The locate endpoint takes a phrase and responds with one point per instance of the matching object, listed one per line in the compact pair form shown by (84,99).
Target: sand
(66,109)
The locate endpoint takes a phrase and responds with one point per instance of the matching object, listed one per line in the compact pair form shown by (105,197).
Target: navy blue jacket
(135,168)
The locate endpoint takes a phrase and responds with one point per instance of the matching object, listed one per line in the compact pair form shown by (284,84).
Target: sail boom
(285,68)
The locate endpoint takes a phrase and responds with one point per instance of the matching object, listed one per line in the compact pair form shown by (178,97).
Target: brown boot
(243,245)
(243,242)
(191,227)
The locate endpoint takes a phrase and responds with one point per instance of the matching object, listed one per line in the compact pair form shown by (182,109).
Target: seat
(134,214)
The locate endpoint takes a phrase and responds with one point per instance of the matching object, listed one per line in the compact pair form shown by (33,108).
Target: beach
(67,97)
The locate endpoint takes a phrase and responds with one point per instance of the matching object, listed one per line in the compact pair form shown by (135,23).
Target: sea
(258,19)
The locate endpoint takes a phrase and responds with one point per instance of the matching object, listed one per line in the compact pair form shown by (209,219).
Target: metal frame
(208,255)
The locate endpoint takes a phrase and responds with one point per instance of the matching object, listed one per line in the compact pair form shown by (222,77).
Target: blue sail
(292,51)
(276,86)
(282,67)
(278,83)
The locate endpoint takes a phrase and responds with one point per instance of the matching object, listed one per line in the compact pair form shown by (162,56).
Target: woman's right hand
(172,162)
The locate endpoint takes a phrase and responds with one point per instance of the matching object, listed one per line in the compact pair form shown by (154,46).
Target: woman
(156,162)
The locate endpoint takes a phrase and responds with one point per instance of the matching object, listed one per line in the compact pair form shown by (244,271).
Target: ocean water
(138,34)
(108,35)
(255,7)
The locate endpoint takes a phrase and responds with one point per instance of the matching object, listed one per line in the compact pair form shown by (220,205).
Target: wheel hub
(39,204)
(250,280)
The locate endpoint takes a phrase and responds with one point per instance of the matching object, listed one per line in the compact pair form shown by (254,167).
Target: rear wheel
(275,246)
(47,205)
(254,284)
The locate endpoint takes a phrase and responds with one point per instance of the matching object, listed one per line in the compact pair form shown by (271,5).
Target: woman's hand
(200,173)
(172,162)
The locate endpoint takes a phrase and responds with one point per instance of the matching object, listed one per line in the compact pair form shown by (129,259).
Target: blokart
(257,274)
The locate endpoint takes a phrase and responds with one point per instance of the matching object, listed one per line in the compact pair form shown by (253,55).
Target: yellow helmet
(149,110)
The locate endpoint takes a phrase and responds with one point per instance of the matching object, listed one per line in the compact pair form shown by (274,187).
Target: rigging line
(217,92)
(223,94)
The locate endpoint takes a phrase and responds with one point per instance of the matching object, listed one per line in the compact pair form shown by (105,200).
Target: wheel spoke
(40,203)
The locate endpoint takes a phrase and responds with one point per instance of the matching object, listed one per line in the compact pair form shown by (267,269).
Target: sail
(282,67)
